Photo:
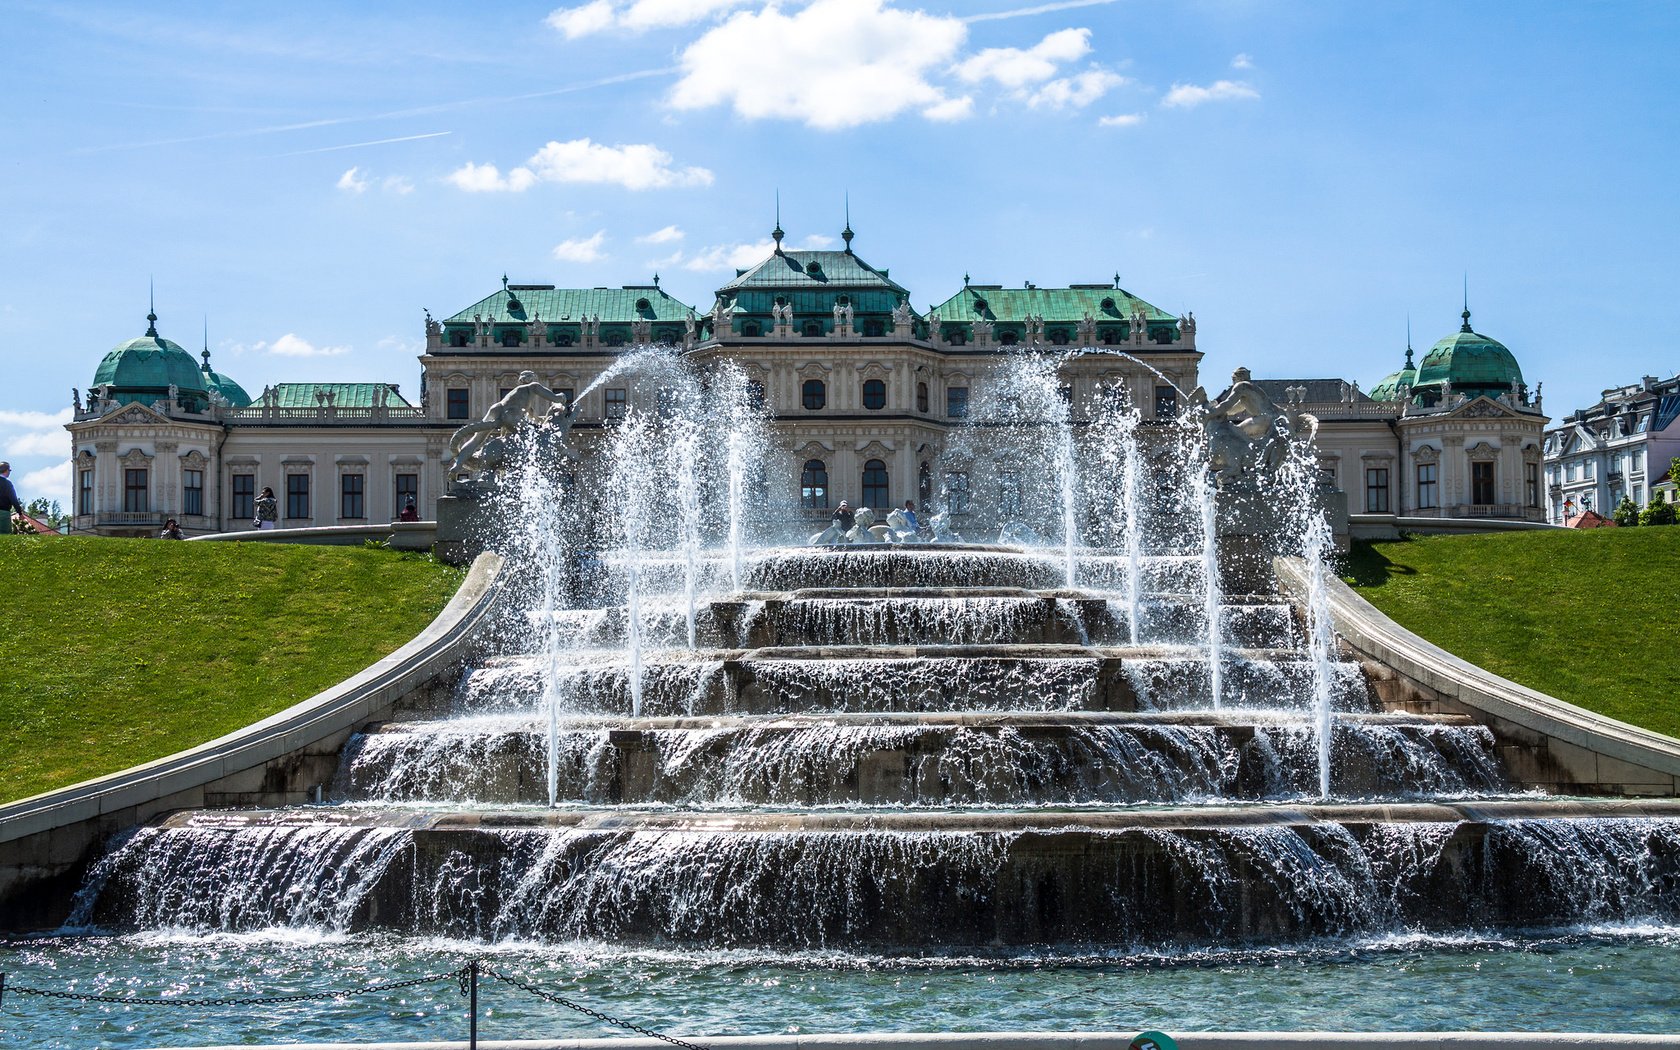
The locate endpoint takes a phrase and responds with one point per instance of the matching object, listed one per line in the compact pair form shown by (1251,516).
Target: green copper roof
(144,368)
(234,394)
(1396,386)
(519,303)
(1472,362)
(346,395)
(1065,305)
(797,271)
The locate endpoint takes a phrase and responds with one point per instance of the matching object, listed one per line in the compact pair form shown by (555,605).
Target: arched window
(814,394)
(749,328)
(813,485)
(921,397)
(1008,338)
(874,394)
(813,329)
(875,485)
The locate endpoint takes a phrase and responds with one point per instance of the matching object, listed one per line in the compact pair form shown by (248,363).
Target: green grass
(1589,617)
(122,651)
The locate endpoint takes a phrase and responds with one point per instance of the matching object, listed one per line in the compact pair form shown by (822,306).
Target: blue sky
(1303,176)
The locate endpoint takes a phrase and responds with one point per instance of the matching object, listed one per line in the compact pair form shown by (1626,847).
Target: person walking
(9,502)
(268,510)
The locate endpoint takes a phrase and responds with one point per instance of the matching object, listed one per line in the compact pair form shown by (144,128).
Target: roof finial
(1466,313)
(656,280)
(846,234)
(151,308)
(965,280)
(776,233)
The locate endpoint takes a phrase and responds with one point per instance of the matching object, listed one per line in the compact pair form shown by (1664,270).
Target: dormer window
(813,268)
(980,306)
(643,306)
(457,338)
(510,338)
(1108,304)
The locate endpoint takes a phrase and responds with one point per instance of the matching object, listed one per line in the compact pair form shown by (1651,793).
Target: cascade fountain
(1073,743)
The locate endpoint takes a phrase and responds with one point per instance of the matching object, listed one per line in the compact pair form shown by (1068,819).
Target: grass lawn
(1590,617)
(123,651)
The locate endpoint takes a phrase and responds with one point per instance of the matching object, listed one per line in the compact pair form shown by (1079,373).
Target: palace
(864,392)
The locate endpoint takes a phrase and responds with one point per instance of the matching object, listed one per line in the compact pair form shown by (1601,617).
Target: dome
(1473,363)
(143,369)
(1397,386)
(217,383)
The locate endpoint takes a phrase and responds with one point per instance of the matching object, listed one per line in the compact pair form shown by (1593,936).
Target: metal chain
(42,993)
(580,1008)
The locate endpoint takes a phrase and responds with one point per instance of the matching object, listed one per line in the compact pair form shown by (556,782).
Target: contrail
(1040,9)
(371,142)
(417,111)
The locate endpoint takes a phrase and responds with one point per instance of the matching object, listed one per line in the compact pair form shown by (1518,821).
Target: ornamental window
(813,329)
(813,485)
(297,495)
(1376,490)
(618,402)
(956,402)
(192,492)
(244,488)
(1481,482)
(1428,486)
(874,394)
(136,490)
(407,488)
(875,484)
(921,397)
(458,403)
(813,393)
(352,496)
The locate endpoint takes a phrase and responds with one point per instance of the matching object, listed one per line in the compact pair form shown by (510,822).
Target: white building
(1619,447)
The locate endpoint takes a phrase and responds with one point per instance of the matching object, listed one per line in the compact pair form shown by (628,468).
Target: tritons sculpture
(1248,436)
(483,446)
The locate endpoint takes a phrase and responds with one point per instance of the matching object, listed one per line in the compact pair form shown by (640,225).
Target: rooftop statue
(1247,435)
(483,445)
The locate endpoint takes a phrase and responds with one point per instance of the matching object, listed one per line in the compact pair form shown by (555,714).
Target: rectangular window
(408,488)
(1428,486)
(1481,483)
(135,498)
(956,402)
(458,404)
(956,491)
(1376,490)
(1532,470)
(1009,493)
(192,492)
(1166,402)
(352,490)
(297,495)
(617,402)
(244,497)
(84,494)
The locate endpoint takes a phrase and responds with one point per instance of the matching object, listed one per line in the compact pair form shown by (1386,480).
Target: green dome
(143,369)
(1397,386)
(1473,363)
(217,383)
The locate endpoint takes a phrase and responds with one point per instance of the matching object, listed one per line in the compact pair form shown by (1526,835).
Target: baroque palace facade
(863,389)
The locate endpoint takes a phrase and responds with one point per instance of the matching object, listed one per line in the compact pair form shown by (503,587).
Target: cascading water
(1299,483)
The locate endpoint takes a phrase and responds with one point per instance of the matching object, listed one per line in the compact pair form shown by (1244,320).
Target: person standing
(9,502)
(268,510)
(844,517)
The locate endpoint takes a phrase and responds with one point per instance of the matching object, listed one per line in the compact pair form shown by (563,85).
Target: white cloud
(292,345)
(950,109)
(637,17)
(1121,120)
(832,64)
(581,21)
(581,249)
(661,236)
(635,167)
(351,182)
(397,184)
(1015,67)
(1077,91)
(1188,95)
(1243,61)
(485,178)
(34,434)
(50,483)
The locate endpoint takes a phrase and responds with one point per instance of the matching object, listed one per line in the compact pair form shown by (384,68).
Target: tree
(1658,512)
(47,512)
(1674,470)
(1626,514)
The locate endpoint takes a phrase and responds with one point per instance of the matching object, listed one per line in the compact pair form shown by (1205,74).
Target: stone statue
(481,329)
(481,445)
(933,326)
(690,328)
(539,330)
(76,398)
(1187,326)
(1246,434)
(432,326)
(1088,330)
(901,314)
(982,330)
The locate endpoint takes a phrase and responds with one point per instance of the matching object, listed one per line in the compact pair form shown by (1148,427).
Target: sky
(304,179)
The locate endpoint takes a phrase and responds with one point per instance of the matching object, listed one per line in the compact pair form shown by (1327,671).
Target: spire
(1408,339)
(1466,313)
(846,234)
(776,234)
(151,309)
(205,368)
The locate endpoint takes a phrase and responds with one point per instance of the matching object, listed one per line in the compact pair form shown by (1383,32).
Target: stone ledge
(1589,751)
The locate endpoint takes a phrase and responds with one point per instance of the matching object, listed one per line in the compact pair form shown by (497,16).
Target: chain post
(472,1006)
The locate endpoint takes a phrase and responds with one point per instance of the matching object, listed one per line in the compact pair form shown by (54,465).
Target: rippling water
(1618,978)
